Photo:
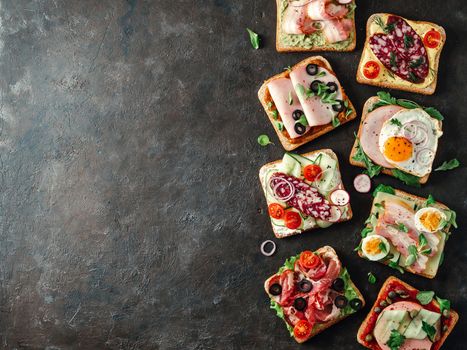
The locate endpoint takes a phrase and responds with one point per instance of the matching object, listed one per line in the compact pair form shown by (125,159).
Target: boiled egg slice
(429,219)
(375,247)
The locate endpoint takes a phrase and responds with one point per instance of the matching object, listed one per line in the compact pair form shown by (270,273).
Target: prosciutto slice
(320,10)
(371,128)
(296,21)
(337,30)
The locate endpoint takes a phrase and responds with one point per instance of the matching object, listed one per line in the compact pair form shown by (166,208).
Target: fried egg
(375,247)
(409,140)
(429,219)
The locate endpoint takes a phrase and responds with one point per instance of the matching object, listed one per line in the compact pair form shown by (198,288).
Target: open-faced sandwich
(305,101)
(311,292)
(401,54)
(397,137)
(406,232)
(315,25)
(404,318)
(304,192)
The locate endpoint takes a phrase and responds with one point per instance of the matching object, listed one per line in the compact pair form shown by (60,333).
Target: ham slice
(371,128)
(320,10)
(337,30)
(296,21)
(316,111)
(280,90)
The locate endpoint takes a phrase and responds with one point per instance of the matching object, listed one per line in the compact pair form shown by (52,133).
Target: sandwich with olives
(403,317)
(305,101)
(311,292)
(406,232)
(304,192)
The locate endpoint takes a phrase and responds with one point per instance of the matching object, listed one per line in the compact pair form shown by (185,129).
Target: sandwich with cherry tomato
(304,192)
(311,292)
(401,53)
(404,318)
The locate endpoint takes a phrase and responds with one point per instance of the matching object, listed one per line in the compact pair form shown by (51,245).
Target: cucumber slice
(330,178)
(288,163)
(323,224)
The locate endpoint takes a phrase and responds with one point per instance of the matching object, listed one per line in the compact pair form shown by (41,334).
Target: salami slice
(401,50)
(300,195)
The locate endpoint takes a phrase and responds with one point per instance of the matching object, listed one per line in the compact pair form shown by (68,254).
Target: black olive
(315,85)
(356,304)
(332,87)
(339,106)
(299,128)
(338,285)
(300,304)
(297,114)
(312,69)
(305,286)
(275,289)
(340,301)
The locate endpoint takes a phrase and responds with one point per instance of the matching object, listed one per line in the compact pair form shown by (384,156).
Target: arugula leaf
(300,90)
(366,231)
(321,74)
(371,278)
(425,297)
(452,218)
(303,120)
(383,188)
(348,112)
(429,330)
(407,103)
(275,114)
(280,126)
(382,247)
(413,253)
(289,263)
(396,340)
(254,39)
(395,121)
(290,99)
(422,240)
(360,156)
(335,121)
(349,291)
(430,200)
(263,140)
(452,164)
(396,266)
(434,113)
(400,227)
(406,178)
(444,304)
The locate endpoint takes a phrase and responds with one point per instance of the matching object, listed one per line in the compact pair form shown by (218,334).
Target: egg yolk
(430,220)
(398,149)
(372,246)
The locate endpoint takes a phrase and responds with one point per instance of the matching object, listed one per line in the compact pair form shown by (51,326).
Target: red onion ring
(281,182)
(416,132)
(272,251)
(425,156)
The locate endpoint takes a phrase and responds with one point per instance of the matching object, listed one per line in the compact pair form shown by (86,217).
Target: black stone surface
(131,213)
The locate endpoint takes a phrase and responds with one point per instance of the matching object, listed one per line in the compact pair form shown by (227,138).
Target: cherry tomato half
(432,39)
(312,172)
(309,260)
(371,69)
(302,330)
(276,211)
(293,220)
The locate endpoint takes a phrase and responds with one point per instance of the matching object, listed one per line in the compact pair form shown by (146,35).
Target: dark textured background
(131,212)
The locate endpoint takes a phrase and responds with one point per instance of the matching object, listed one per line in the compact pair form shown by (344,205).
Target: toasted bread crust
(454,314)
(320,328)
(368,104)
(419,199)
(331,154)
(430,89)
(288,143)
(283,48)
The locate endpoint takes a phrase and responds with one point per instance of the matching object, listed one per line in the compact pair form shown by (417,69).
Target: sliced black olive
(339,106)
(314,86)
(356,304)
(338,285)
(332,87)
(340,301)
(275,289)
(312,69)
(299,128)
(305,286)
(300,304)
(296,115)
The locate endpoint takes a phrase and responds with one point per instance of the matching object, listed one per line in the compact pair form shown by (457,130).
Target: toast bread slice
(270,164)
(280,47)
(428,90)
(323,326)
(360,334)
(418,200)
(367,106)
(288,143)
